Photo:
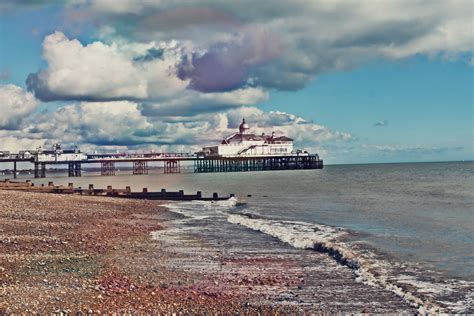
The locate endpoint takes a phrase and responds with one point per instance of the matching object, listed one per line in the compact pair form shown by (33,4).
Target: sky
(356,81)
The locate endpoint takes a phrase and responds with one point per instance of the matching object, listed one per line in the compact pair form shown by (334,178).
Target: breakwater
(28,186)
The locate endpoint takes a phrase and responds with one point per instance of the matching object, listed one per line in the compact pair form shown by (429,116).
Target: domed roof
(243,127)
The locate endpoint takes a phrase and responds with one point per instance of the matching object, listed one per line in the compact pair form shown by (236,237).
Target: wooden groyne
(28,186)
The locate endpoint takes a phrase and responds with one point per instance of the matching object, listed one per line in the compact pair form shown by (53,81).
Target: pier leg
(36,169)
(43,170)
(107,168)
(172,166)
(74,169)
(14,170)
(140,167)
(70,169)
(40,170)
(77,169)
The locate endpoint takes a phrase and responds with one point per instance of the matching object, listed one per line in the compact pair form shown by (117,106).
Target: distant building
(25,154)
(4,153)
(244,143)
(59,154)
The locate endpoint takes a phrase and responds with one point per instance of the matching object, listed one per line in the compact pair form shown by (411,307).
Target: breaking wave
(416,285)
(428,296)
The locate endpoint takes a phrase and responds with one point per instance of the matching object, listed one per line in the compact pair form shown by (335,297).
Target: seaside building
(59,154)
(244,143)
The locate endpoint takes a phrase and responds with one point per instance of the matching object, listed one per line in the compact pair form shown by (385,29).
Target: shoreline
(94,254)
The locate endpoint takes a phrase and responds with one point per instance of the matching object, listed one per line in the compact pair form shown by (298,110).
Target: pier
(171,162)
(236,164)
(241,151)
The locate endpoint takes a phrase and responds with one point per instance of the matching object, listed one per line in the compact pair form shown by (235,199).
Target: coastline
(95,254)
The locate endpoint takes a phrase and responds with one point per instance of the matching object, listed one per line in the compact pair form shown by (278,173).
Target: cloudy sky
(356,81)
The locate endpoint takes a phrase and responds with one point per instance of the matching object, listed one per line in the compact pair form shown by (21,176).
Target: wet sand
(96,254)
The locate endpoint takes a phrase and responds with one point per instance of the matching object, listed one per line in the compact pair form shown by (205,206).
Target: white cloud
(101,123)
(17,143)
(15,104)
(306,38)
(190,102)
(304,132)
(106,72)
(120,125)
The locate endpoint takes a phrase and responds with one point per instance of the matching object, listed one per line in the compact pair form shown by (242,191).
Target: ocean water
(408,228)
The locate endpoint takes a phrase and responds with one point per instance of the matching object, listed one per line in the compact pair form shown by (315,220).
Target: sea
(407,228)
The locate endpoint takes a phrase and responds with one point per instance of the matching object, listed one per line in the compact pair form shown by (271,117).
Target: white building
(58,154)
(245,144)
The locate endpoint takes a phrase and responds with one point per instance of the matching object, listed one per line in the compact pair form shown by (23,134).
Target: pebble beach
(70,254)
(94,255)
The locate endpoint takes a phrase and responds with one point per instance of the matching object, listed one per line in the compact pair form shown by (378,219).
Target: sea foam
(368,267)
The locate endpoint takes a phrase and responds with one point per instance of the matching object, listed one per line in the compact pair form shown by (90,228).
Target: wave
(367,266)
(202,209)
(414,285)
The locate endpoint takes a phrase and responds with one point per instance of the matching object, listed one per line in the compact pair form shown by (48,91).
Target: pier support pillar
(40,169)
(172,166)
(14,170)
(107,168)
(140,167)
(74,169)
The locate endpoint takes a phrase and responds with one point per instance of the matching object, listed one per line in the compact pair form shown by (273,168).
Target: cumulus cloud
(15,142)
(158,51)
(14,106)
(101,72)
(179,73)
(282,44)
(130,72)
(226,65)
(121,125)
(108,123)
(190,103)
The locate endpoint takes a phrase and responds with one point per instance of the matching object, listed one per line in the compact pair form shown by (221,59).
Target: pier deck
(171,162)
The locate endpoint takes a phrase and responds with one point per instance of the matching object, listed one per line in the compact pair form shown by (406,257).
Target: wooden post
(215,196)
(145,190)
(199,194)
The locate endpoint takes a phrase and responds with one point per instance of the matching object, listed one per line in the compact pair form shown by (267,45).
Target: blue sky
(383,93)
(422,102)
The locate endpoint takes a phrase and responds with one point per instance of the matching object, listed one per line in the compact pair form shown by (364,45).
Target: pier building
(243,143)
